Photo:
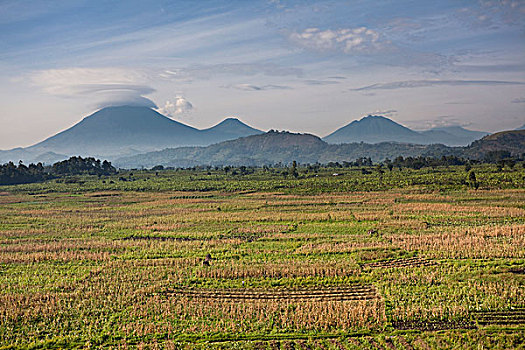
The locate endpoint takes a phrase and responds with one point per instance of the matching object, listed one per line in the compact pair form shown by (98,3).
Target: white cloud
(180,105)
(348,40)
(71,81)
(385,113)
(101,86)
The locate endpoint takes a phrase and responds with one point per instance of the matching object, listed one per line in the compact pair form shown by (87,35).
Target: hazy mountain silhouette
(228,129)
(124,130)
(120,130)
(284,147)
(375,129)
(459,131)
(521,127)
(275,147)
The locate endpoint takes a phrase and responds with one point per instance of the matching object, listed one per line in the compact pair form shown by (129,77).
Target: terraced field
(416,267)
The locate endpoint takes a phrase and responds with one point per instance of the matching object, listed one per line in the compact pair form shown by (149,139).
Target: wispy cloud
(321,82)
(347,40)
(493,14)
(407,84)
(251,87)
(103,86)
(235,69)
(518,100)
(505,67)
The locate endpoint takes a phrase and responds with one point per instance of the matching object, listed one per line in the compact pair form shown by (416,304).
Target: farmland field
(401,259)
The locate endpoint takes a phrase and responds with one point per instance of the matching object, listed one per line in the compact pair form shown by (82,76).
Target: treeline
(401,162)
(11,174)
(500,158)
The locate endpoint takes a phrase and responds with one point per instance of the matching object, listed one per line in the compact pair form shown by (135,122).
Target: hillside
(512,141)
(275,147)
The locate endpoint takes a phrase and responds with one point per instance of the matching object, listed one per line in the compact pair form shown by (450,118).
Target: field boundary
(359,292)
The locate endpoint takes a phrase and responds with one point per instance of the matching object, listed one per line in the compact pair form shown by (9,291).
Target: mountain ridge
(120,131)
(283,147)
(376,129)
(125,130)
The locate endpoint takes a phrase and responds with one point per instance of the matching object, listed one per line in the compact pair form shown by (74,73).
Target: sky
(301,66)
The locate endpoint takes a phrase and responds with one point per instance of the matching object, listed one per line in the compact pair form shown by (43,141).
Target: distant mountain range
(284,147)
(123,132)
(117,131)
(375,129)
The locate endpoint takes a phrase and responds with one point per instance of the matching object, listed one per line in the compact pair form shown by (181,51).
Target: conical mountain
(125,130)
(229,129)
(376,129)
(373,129)
(120,130)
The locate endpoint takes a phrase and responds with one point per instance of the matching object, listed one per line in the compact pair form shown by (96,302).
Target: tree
(294,169)
(472,180)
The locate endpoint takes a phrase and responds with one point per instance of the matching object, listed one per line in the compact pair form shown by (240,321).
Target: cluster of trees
(11,174)
(79,166)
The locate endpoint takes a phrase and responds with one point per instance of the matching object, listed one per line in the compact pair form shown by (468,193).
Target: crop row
(319,294)
(406,262)
(509,317)
(433,325)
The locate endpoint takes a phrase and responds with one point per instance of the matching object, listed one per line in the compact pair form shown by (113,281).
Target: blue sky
(304,66)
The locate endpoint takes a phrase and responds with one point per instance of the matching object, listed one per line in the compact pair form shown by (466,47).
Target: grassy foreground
(202,259)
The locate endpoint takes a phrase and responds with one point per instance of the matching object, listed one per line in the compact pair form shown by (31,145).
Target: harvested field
(306,266)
